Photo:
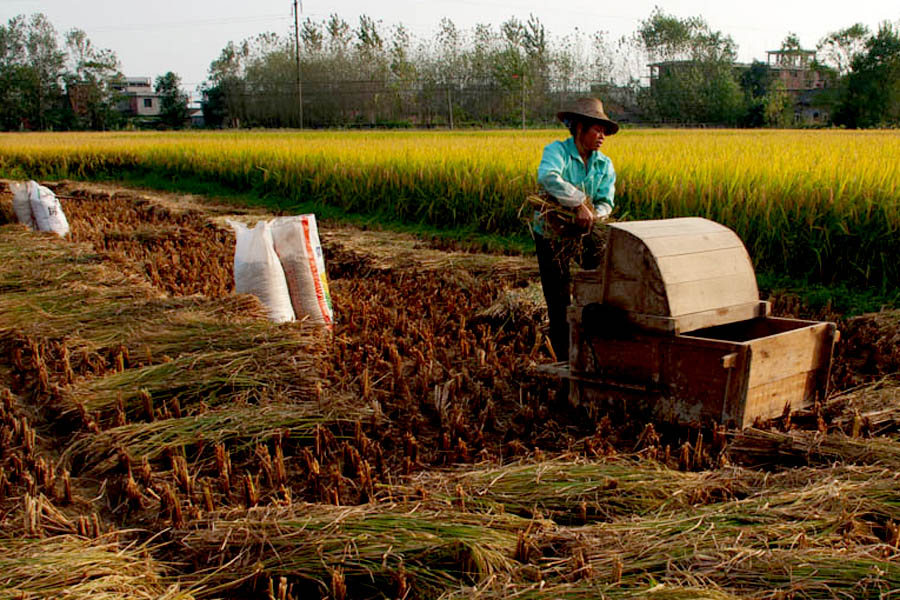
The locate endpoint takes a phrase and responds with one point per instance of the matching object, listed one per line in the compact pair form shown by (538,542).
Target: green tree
(214,105)
(46,62)
(91,82)
(778,106)
(840,48)
(173,102)
(754,82)
(31,74)
(225,94)
(695,79)
(14,74)
(871,96)
(311,36)
(791,43)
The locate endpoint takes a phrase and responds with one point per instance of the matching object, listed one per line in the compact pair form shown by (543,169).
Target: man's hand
(584,217)
(602,211)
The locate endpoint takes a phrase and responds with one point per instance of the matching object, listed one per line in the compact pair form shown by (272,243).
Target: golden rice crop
(818,204)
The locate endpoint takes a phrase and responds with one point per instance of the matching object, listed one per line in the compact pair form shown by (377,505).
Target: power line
(190,23)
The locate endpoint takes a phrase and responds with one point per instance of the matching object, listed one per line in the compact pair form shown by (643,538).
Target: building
(195,113)
(138,98)
(794,68)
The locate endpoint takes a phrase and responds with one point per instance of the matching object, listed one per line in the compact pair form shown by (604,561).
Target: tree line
(515,74)
(52,84)
(518,74)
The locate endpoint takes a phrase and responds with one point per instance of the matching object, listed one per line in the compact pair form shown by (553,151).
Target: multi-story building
(138,99)
(795,69)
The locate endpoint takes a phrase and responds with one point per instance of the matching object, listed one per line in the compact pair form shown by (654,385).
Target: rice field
(160,439)
(822,206)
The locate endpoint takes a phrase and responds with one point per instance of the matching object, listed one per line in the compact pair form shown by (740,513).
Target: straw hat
(592,109)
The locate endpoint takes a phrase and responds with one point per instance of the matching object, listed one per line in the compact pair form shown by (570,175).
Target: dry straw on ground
(82,569)
(272,460)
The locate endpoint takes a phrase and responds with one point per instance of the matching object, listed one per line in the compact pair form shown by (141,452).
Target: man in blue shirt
(581,180)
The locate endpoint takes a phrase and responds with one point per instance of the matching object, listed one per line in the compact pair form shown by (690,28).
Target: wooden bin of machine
(672,322)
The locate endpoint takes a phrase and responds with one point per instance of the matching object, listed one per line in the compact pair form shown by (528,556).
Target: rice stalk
(269,369)
(840,513)
(774,448)
(74,567)
(433,548)
(578,490)
(241,427)
(589,589)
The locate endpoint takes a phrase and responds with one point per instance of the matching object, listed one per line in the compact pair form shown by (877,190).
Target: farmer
(578,186)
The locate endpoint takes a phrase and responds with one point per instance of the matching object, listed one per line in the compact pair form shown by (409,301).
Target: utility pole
(523,102)
(449,105)
(297,56)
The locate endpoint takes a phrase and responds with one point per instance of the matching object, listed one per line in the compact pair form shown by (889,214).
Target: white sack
(47,211)
(257,270)
(297,244)
(22,203)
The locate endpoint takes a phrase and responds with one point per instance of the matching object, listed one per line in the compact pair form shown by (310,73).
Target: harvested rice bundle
(801,534)
(81,569)
(588,585)
(760,447)
(404,549)
(242,427)
(578,490)
(274,368)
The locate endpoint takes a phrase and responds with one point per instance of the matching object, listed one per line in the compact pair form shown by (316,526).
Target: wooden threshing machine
(672,323)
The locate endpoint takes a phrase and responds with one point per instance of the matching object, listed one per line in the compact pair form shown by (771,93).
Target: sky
(151,38)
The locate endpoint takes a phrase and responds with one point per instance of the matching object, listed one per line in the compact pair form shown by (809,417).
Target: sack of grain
(297,244)
(257,270)
(22,203)
(47,211)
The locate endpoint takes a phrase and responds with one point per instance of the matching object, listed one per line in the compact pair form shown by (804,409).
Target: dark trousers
(554,255)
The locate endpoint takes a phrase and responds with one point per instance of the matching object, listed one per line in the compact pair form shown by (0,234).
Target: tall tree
(46,62)
(14,74)
(839,48)
(791,43)
(872,94)
(173,102)
(91,82)
(31,92)
(339,34)
(311,36)
(695,78)
(225,94)
(668,38)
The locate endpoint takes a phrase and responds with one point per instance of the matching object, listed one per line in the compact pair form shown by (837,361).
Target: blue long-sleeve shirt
(562,173)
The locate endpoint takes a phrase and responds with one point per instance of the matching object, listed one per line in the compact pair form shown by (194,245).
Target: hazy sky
(184,36)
